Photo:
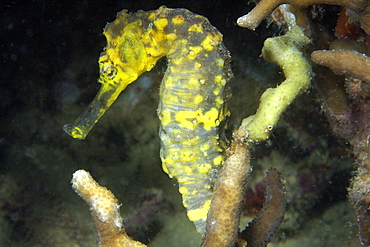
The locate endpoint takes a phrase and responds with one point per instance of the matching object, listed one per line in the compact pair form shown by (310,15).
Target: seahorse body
(192,95)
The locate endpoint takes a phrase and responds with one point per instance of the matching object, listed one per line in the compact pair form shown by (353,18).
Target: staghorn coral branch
(104,211)
(344,62)
(224,215)
(223,218)
(266,223)
(265,7)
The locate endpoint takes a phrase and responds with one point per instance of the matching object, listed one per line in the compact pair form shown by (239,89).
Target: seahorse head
(134,45)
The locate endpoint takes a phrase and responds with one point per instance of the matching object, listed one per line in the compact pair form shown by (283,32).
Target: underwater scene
(185,123)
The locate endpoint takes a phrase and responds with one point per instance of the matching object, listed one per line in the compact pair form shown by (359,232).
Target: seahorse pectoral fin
(107,94)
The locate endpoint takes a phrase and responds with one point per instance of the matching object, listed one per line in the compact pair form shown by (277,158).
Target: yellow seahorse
(192,94)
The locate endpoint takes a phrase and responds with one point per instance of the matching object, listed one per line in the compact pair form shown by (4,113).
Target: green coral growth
(287,52)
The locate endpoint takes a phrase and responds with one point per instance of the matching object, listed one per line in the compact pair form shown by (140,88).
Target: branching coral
(264,226)
(265,8)
(104,211)
(224,214)
(353,124)
(347,112)
(223,218)
(338,62)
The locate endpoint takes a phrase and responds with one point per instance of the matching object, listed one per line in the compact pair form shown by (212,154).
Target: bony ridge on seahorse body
(192,94)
